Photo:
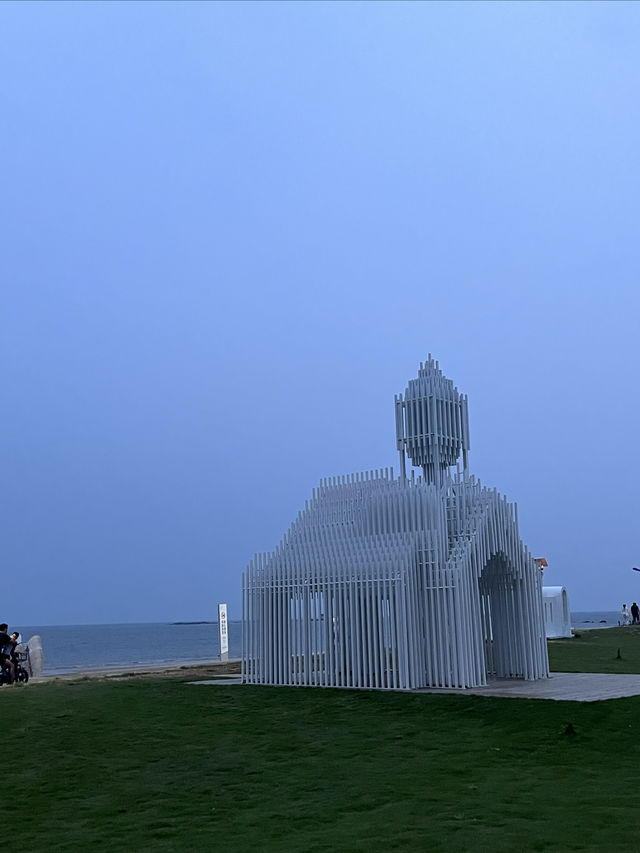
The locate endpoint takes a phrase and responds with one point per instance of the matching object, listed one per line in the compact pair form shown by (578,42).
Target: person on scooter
(16,639)
(6,648)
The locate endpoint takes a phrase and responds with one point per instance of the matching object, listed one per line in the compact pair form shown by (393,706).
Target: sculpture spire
(432,423)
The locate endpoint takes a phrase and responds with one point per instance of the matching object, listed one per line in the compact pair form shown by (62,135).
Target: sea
(81,648)
(596,619)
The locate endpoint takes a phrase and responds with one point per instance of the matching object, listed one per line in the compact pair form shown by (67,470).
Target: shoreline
(166,670)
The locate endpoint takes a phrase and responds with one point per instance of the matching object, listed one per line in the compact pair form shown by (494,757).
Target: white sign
(223,631)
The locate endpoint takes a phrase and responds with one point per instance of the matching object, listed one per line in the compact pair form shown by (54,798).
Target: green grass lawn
(597,651)
(146,765)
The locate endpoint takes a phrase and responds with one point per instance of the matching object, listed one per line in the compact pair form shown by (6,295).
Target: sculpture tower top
(432,423)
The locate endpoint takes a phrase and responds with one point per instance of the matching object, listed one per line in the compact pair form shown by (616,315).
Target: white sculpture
(557,617)
(36,657)
(399,582)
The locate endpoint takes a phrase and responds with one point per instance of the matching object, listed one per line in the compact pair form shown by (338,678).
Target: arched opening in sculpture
(505,615)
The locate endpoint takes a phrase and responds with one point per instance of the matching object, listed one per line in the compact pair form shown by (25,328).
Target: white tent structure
(557,617)
(399,582)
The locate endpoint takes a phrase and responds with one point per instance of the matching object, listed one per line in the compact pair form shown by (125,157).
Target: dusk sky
(231,232)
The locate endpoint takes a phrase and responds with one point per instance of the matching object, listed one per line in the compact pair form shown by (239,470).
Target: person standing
(6,647)
(635,614)
(626,615)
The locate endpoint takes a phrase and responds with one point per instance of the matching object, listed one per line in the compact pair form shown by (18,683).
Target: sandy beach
(209,669)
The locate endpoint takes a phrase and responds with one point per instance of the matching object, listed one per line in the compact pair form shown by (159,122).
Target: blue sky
(231,232)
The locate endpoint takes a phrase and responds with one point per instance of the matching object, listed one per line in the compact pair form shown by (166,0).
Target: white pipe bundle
(399,583)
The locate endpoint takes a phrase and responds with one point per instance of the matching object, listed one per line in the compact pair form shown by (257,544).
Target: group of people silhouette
(8,643)
(631,617)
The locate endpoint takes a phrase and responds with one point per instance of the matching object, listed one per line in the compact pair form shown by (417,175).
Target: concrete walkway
(562,686)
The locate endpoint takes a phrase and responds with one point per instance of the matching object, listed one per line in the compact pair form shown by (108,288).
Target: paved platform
(562,686)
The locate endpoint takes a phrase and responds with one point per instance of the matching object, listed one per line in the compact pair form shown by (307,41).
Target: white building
(399,582)
(557,617)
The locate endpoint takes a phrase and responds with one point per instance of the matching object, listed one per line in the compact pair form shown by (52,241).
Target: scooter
(21,673)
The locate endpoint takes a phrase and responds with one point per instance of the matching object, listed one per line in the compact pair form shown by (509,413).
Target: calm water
(596,619)
(73,648)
